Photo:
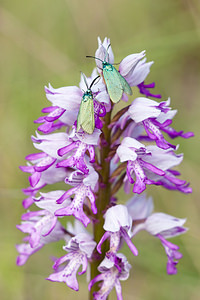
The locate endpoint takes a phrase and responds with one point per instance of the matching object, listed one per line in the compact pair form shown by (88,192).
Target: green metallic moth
(116,84)
(85,118)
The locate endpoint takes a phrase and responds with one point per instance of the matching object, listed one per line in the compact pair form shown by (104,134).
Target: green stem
(102,200)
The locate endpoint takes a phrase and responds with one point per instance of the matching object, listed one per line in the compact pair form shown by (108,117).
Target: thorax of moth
(107,66)
(87,96)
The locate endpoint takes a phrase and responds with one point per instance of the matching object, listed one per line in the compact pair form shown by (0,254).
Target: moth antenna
(94,57)
(93,81)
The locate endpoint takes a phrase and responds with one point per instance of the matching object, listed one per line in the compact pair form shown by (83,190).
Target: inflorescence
(96,151)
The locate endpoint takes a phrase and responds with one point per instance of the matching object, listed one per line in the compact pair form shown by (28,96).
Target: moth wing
(113,83)
(86,116)
(125,86)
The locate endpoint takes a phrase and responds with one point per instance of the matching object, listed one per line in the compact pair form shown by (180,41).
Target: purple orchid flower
(84,185)
(78,147)
(25,250)
(165,226)
(160,225)
(111,274)
(37,223)
(137,75)
(117,225)
(54,113)
(80,248)
(150,164)
(42,163)
(135,153)
(155,117)
(51,143)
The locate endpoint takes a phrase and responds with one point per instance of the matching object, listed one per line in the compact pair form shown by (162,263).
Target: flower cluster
(95,153)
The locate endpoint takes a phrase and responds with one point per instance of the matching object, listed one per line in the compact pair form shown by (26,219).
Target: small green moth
(85,118)
(116,84)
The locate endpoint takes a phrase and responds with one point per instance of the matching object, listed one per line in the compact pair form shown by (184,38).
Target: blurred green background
(47,41)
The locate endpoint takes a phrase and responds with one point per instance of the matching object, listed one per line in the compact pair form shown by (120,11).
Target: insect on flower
(85,118)
(115,82)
